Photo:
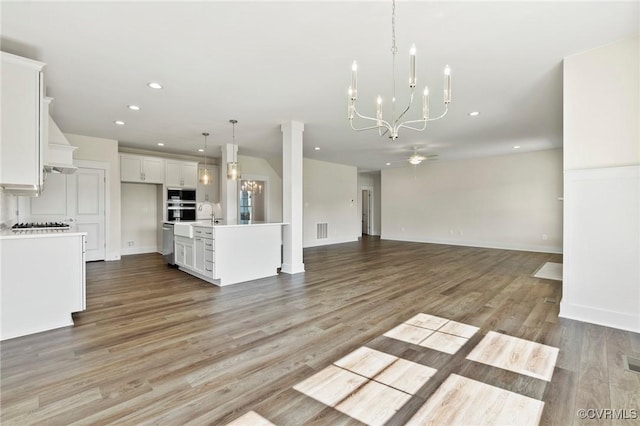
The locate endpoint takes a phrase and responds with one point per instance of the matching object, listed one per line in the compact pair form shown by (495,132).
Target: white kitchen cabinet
(23,125)
(35,299)
(181,174)
(141,169)
(211,191)
(184,252)
(203,245)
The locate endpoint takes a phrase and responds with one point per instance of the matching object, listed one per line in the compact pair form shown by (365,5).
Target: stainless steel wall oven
(181,204)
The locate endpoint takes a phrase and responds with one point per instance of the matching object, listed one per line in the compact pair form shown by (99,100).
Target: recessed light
(388,164)
(160,144)
(200,149)
(133,107)
(317,148)
(474,113)
(154,85)
(516,147)
(119,122)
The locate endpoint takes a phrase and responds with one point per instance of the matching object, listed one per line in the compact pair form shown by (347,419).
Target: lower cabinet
(195,255)
(184,248)
(204,243)
(35,299)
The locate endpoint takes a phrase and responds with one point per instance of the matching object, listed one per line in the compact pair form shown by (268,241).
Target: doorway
(252,202)
(366,212)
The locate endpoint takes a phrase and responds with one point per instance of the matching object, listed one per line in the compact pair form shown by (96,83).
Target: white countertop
(8,234)
(208,224)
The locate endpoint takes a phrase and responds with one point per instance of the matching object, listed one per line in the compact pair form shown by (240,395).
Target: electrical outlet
(544,237)
(130,243)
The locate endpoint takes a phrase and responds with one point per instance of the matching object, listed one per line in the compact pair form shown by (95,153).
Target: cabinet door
(172,174)
(21,147)
(198,264)
(130,169)
(188,256)
(190,175)
(153,170)
(179,253)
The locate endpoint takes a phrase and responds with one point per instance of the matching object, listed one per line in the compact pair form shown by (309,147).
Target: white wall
(601,274)
(508,202)
(8,208)
(140,205)
(104,150)
(330,195)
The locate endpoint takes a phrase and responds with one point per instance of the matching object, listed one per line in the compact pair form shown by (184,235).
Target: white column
(228,187)
(292,197)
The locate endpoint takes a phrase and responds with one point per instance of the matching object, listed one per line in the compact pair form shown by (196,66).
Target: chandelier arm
(364,117)
(407,108)
(362,128)
(446,109)
(406,126)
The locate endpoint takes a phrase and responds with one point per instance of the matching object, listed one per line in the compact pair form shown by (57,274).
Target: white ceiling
(265,63)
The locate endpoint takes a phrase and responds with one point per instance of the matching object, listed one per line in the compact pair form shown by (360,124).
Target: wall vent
(631,364)
(321,231)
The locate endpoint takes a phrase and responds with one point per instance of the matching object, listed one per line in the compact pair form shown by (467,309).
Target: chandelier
(251,186)
(395,124)
(233,168)
(204,176)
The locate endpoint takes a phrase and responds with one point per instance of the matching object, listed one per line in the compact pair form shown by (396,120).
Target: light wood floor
(157,346)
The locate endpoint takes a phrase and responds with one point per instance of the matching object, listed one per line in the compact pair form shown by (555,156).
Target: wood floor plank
(156,345)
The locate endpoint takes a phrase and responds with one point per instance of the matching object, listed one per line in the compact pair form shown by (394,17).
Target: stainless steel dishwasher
(167,244)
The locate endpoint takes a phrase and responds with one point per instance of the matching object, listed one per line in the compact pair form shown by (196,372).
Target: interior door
(89,210)
(366,202)
(77,199)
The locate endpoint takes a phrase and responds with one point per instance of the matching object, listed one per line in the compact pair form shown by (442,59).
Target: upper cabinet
(181,174)
(24,116)
(141,169)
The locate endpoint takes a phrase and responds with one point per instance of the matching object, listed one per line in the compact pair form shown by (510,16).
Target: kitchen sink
(183,230)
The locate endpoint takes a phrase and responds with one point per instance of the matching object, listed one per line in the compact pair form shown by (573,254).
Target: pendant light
(205,179)
(233,168)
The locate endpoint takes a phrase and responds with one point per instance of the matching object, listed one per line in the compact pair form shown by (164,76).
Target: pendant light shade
(233,168)
(205,178)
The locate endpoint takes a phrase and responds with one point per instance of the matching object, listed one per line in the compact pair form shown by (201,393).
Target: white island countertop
(207,223)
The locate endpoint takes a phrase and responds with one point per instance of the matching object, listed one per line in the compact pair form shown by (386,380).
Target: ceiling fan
(417,158)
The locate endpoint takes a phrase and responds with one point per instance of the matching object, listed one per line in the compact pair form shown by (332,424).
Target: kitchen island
(228,254)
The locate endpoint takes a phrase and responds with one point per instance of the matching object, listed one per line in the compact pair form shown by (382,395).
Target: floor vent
(550,300)
(321,231)
(631,364)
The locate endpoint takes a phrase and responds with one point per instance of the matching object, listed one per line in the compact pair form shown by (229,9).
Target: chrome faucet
(213,215)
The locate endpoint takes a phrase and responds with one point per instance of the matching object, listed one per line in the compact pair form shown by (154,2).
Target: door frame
(371,203)
(262,178)
(102,165)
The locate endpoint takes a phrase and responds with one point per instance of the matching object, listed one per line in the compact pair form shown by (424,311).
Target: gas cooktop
(40,226)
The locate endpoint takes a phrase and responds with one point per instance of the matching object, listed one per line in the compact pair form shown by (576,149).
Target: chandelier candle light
(394,125)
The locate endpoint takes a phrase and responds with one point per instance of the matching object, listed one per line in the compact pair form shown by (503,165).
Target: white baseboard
(481,244)
(138,250)
(602,317)
(329,241)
